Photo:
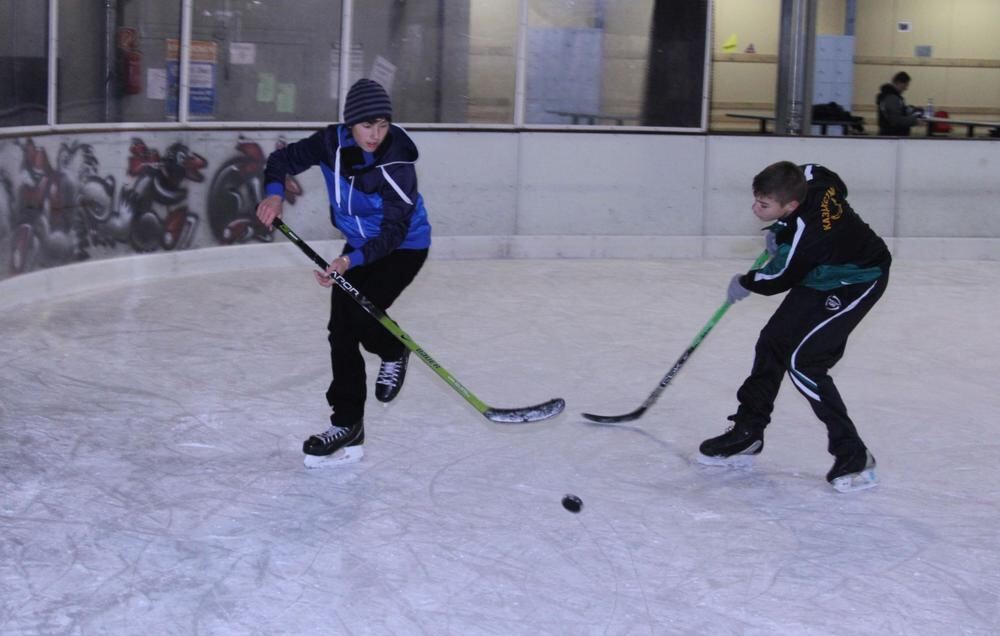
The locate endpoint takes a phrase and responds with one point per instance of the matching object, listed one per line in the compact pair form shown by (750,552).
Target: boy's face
(766,208)
(370,134)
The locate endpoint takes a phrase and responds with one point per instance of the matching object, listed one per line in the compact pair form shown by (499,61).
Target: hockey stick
(506,416)
(667,379)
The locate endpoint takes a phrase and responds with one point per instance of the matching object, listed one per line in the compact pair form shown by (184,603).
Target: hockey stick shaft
(510,416)
(668,378)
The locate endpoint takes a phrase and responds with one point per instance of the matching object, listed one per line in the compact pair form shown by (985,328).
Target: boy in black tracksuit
(834,268)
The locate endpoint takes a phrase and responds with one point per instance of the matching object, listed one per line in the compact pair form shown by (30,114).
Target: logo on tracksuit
(833,303)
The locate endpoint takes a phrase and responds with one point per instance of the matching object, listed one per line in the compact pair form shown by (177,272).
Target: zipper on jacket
(350,194)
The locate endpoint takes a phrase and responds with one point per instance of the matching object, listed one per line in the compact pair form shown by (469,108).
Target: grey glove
(736,292)
(771,243)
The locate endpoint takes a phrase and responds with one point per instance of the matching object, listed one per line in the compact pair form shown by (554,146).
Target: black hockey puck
(572,503)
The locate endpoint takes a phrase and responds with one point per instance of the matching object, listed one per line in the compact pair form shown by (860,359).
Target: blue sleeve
(295,158)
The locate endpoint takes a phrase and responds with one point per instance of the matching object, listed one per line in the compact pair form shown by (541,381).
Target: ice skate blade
(733,461)
(340,457)
(858,481)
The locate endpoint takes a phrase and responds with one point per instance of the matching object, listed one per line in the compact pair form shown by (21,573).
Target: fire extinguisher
(133,72)
(128,46)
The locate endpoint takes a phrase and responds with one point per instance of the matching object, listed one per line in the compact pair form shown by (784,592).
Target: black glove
(736,292)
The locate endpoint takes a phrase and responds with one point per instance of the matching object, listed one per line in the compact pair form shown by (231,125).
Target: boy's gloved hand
(736,292)
(771,243)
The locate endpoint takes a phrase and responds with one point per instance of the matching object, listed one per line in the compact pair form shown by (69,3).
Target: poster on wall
(201,98)
(156,83)
(355,68)
(564,74)
(383,72)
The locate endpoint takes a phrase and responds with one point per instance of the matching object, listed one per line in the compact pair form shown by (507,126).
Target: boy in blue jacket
(368,165)
(834,268)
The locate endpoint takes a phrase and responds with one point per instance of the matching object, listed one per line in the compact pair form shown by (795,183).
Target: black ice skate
(390,377)
(855,471)
(336,445)
(736,447)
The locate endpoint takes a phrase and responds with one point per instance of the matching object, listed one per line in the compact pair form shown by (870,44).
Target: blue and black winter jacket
(374,200)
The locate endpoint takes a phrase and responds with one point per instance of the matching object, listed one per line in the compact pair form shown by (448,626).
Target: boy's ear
(791,206)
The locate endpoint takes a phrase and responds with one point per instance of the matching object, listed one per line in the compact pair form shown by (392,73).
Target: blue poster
(201,89)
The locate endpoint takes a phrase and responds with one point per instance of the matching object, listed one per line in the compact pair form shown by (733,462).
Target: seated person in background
(895,117)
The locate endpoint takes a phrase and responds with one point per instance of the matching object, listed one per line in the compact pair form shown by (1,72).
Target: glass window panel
(493,28)
(24,62)
(113,61)
(450,61)
(273,60)
(87,84)
(593,62)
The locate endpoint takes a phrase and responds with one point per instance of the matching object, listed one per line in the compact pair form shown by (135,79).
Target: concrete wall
(666,196)
(490,195)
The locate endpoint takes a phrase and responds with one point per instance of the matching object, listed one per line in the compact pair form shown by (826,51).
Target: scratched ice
(152,481)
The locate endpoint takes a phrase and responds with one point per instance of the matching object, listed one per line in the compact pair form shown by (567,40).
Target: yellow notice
(731,43)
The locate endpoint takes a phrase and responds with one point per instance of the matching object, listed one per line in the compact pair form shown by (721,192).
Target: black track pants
(350,326)
(805,337)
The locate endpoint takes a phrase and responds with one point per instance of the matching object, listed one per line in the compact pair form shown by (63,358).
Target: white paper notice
(242,53)
(156,83)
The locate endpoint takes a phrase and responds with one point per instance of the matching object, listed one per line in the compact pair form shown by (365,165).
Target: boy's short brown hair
(783,181)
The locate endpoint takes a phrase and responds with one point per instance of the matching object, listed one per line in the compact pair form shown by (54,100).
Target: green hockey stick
(636,414)
(505,416)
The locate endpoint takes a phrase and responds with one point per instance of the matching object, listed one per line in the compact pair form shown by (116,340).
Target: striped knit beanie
(366,101)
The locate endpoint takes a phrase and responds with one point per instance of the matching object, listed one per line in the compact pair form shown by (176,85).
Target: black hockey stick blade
(613,419)
(535,413)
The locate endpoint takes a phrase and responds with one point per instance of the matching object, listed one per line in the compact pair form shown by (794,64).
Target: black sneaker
(854,471)
(736,446)
(390,377)
(335,438)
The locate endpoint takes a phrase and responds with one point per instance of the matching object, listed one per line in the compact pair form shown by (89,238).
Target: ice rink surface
(151,479)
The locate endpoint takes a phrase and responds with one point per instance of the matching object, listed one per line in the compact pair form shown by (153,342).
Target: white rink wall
(507,194)
(669,196)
